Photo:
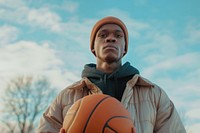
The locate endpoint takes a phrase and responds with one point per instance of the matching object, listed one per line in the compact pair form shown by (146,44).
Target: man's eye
(102,35)
(118,35)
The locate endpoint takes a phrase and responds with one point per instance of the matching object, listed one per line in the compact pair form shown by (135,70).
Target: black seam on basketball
(110,129)
(93,112)
(106,124)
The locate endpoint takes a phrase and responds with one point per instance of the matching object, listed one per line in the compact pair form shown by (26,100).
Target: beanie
(108,20)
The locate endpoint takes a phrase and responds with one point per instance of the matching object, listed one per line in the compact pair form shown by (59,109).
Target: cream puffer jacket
(150,107)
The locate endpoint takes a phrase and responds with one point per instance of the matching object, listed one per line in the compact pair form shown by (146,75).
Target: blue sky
(51,38)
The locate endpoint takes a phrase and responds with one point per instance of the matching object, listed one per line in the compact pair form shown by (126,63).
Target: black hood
(113,83)
(90,71)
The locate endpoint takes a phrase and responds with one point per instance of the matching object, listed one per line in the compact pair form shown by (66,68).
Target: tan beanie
(108,20)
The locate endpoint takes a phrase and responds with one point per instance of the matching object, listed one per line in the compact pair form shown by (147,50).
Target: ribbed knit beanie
(108,20)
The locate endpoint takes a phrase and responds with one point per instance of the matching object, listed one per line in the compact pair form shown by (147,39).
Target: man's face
(109,45)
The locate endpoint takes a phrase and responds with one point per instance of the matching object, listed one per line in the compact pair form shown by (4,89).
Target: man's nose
(111,38)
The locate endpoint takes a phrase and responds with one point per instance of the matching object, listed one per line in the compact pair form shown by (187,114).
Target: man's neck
(108,68)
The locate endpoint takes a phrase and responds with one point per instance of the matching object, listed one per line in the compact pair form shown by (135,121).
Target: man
(150,107)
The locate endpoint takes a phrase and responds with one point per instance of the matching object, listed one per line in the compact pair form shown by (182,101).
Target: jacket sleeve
(51,120)
(167,119)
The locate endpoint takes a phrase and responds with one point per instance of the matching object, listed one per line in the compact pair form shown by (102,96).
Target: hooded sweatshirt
(112,84)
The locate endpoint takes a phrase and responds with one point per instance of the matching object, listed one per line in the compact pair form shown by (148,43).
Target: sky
(51,38)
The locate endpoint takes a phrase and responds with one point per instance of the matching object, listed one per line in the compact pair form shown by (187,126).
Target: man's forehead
(112,27)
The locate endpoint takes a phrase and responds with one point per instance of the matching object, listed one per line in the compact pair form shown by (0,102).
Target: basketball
(98,113)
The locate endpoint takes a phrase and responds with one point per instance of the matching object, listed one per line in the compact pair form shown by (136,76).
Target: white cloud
(61,78)
(165,42)
(44,18)
(192,33)
(135,28)
(70,6)
(25,55)
(186,61)
(195,128)
(157,46)
(10,4)
(30,58)
(194,113)
(77,31)
(13,11)
(22,14)
(8,34)
(67,6)
(162,43)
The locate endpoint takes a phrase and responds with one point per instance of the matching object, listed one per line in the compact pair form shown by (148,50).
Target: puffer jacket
(150,107)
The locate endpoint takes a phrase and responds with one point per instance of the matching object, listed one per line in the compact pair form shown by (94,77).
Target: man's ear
(124,52)
(93,51)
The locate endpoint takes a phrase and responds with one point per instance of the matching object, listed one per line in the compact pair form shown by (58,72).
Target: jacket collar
(138,80)
(91,86)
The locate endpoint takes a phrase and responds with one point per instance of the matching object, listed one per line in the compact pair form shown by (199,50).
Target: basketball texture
(98,113)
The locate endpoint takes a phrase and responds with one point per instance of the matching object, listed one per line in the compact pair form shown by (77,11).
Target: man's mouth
(110,47)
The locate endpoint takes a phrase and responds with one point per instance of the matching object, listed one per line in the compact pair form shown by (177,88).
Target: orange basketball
(98,113)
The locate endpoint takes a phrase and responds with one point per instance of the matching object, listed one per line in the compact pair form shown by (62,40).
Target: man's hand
(62,130)
(134,130)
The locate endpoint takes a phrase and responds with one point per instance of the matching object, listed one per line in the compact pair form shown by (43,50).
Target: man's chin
(111,59)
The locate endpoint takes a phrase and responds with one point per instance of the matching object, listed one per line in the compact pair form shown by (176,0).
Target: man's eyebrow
(105,30)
